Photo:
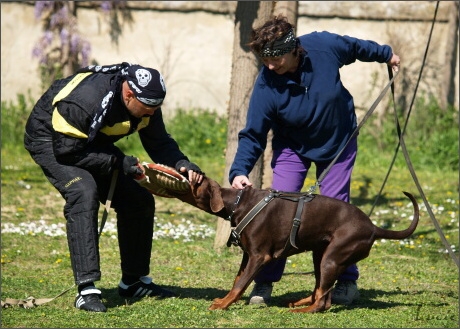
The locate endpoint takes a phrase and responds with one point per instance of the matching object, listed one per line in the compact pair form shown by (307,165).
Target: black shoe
(90,300)
(142,288)
(345,292)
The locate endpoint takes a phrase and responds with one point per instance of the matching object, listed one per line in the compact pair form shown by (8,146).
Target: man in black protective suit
(71,133)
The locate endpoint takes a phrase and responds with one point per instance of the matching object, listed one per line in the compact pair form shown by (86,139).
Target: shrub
(431,137)
(14,118)
(201,135)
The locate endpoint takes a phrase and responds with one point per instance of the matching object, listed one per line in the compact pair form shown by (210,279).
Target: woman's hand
(240,182)
(394,62)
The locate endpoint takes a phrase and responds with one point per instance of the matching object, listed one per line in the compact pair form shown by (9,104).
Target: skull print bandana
(147,85)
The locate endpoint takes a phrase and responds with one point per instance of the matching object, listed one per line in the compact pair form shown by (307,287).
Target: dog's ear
(216,202)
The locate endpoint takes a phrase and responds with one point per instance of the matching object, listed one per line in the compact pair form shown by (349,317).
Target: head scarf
(147,85)
(280,46)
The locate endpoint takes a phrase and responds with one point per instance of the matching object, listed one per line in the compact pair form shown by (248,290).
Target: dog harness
(300,198)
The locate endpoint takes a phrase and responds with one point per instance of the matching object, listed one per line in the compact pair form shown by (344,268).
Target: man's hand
(195,175)
(132,167)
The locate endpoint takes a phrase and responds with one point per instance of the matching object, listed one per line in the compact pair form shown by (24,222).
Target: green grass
(411,283)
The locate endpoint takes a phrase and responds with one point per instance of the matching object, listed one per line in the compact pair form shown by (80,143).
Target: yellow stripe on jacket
(59,123)
(122,128)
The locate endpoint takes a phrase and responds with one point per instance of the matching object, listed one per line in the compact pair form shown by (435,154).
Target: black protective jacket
(64,114)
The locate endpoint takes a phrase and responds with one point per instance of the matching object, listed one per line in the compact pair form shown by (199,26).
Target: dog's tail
(380,233)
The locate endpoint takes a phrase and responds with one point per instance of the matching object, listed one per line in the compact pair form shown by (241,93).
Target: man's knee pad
(83,241)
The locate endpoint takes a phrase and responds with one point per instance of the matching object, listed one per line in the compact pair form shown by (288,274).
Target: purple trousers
(289,173)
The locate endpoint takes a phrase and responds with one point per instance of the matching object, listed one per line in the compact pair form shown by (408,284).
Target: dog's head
(205,196)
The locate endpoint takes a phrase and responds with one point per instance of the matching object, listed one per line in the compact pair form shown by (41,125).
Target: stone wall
(190,42)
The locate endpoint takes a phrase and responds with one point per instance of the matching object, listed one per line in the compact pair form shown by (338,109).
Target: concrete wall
(190,42)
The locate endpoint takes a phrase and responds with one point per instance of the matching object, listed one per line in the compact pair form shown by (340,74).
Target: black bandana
(280,46)
(147,85)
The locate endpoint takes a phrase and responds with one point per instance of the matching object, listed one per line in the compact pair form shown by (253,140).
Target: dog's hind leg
(326,276)
(317,255)
(250,266)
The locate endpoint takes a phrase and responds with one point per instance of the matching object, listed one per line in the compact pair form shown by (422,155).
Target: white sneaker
(261,294)
(345,292)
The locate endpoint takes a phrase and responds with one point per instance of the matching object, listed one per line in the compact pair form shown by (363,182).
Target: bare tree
(249,14)
(290,9)
(245,67)
(448,81)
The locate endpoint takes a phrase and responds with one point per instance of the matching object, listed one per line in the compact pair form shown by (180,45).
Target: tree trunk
(69,60)
(448,83)
(290,9)
(248,14)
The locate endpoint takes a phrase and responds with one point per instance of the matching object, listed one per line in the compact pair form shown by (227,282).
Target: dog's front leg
(248,269)
(244,262)
(243,265)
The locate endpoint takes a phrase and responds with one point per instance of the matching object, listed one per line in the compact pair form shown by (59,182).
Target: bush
(431,137)
(14,118)
(434,135)
(201,135)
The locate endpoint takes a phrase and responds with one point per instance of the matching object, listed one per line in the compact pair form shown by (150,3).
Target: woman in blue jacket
(299,95)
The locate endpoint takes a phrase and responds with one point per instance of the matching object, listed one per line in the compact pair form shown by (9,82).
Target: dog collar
(237,201)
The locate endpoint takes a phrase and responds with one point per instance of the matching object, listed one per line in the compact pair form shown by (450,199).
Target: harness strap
(301,198)
(235,233)
(296,222)
(253,213)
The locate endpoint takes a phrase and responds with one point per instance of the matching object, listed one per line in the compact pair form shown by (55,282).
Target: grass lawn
(409,284)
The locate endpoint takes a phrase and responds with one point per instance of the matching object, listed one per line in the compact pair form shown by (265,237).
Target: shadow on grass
(367,300)
(112,299)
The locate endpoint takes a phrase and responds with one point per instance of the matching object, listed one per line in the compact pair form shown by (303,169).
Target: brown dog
(274,225)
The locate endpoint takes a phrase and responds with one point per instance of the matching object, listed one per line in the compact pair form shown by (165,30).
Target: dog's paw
(302,302)
(219,304)
(313,308)
(216,306)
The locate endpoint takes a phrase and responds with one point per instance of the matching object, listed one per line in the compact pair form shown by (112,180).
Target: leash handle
(108,203)
(31,302)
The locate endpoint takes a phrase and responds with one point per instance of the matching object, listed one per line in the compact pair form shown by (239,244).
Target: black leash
(417,183)
(410,109)
(108,202)
(406,155)
(354,134)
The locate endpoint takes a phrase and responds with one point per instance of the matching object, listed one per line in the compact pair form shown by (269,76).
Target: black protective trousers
(83,193)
